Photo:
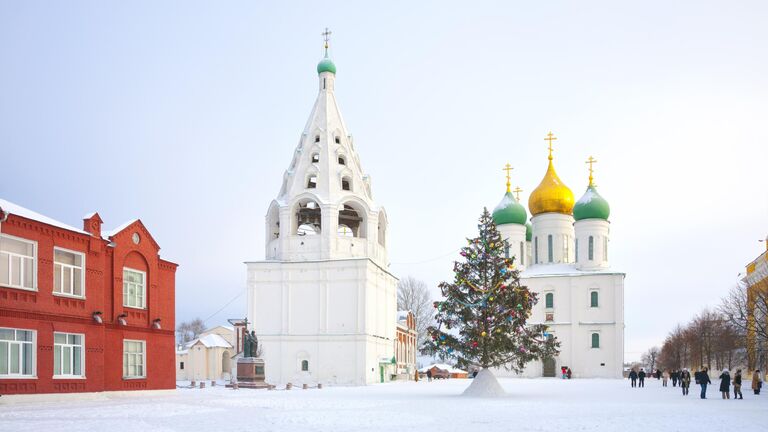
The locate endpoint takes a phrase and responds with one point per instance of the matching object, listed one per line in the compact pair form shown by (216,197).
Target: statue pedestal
(250,373)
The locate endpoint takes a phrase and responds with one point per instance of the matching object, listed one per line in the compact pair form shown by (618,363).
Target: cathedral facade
(562,255)
(323,302)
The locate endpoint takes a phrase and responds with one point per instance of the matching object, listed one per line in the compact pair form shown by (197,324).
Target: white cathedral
(323,302)
(562,255)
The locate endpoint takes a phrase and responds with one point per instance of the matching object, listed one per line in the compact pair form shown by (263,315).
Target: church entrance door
(548,367)
(381,373)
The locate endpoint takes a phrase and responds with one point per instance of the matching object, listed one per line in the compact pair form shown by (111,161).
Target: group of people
(565,372)
(701,377)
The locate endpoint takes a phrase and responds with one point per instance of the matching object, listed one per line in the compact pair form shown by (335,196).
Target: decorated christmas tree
(482,321)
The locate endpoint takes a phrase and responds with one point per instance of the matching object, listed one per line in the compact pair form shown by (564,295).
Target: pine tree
(482,321)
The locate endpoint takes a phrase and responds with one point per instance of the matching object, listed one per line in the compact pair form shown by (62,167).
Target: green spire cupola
(528,232)
(326,64)
(509,211)
(591,206)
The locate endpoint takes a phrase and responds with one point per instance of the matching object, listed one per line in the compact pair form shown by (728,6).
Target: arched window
(605,248)
(315,157)
(549,301)
(522,255)
(593,301)
(595,340)
(308,219)
(591,248)
(346,184)
(312,182)
(550,258)
(337,140)
(536,250)
(351,220)
(342,161)
(305,365)
(317,138)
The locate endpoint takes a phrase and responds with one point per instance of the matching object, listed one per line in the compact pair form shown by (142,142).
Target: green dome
(509,211)
(326,65)
(591,206)
(528,232)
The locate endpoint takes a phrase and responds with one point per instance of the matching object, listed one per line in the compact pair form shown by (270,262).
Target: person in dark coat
(702,379)
(725,384)
(568,373)
(633,377)
(641,375)
(737,385)
(429,375)
(685,381)
(675,375)
(757,382)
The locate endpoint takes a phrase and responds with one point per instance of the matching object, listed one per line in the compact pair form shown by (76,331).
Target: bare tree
(650,358)
(413,295)
(746,309)
(188,330)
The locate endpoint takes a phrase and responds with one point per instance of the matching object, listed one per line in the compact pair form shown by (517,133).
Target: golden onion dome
(551,195)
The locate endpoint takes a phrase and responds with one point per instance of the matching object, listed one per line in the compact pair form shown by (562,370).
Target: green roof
(528,231)
(326,65)
(509,211)
(591,206)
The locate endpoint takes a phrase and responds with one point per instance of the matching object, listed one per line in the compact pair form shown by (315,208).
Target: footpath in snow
(530,405)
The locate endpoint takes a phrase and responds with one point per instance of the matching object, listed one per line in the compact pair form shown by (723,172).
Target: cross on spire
(591,161)
(326,37)
(550,137)
(507,168)
(517,192)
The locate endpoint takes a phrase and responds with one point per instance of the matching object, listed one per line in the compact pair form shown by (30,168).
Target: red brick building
(82,310)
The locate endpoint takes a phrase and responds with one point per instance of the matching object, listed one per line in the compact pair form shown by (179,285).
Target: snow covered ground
(531,405)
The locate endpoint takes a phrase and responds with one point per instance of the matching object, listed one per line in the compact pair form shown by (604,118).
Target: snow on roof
(210,341)
(443,366)
(107,234)
(89,215)
(402,315)
(18,210)
(541,270)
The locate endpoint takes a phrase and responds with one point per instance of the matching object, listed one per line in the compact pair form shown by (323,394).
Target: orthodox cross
(550,137)
(517,192)
(507,168)
(591,161)
(326,37)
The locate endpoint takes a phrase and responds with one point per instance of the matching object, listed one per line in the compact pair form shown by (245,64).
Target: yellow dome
(551,196)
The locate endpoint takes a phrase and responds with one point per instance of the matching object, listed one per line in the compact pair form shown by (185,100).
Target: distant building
(208,357)
(757,281)
(405,345)
(442,370)
(83,310)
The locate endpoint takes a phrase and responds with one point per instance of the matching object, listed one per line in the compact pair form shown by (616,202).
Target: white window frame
(143,357)
(22,258)
(71,357)
(72,273)
(21,375)
(144,294)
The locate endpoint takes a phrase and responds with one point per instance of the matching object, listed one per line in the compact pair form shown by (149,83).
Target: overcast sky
(185,114)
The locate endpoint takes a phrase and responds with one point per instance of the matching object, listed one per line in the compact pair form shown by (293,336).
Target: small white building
(323,302)
(563,257)
(207,357)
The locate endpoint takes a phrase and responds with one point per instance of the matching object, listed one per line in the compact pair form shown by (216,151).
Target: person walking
(568,373)
(641,375)
(665,378)
(757,382)
(675,375)
(633,377)
(702,378)
(429,375)
(563,372)
(725,384)
(737,385)
(685,381)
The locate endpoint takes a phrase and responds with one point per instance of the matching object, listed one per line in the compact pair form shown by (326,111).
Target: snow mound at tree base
(485,384)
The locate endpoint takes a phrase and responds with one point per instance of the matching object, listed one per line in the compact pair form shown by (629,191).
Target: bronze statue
(250,344)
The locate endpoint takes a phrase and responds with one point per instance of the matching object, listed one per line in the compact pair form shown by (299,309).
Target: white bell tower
(323,301)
